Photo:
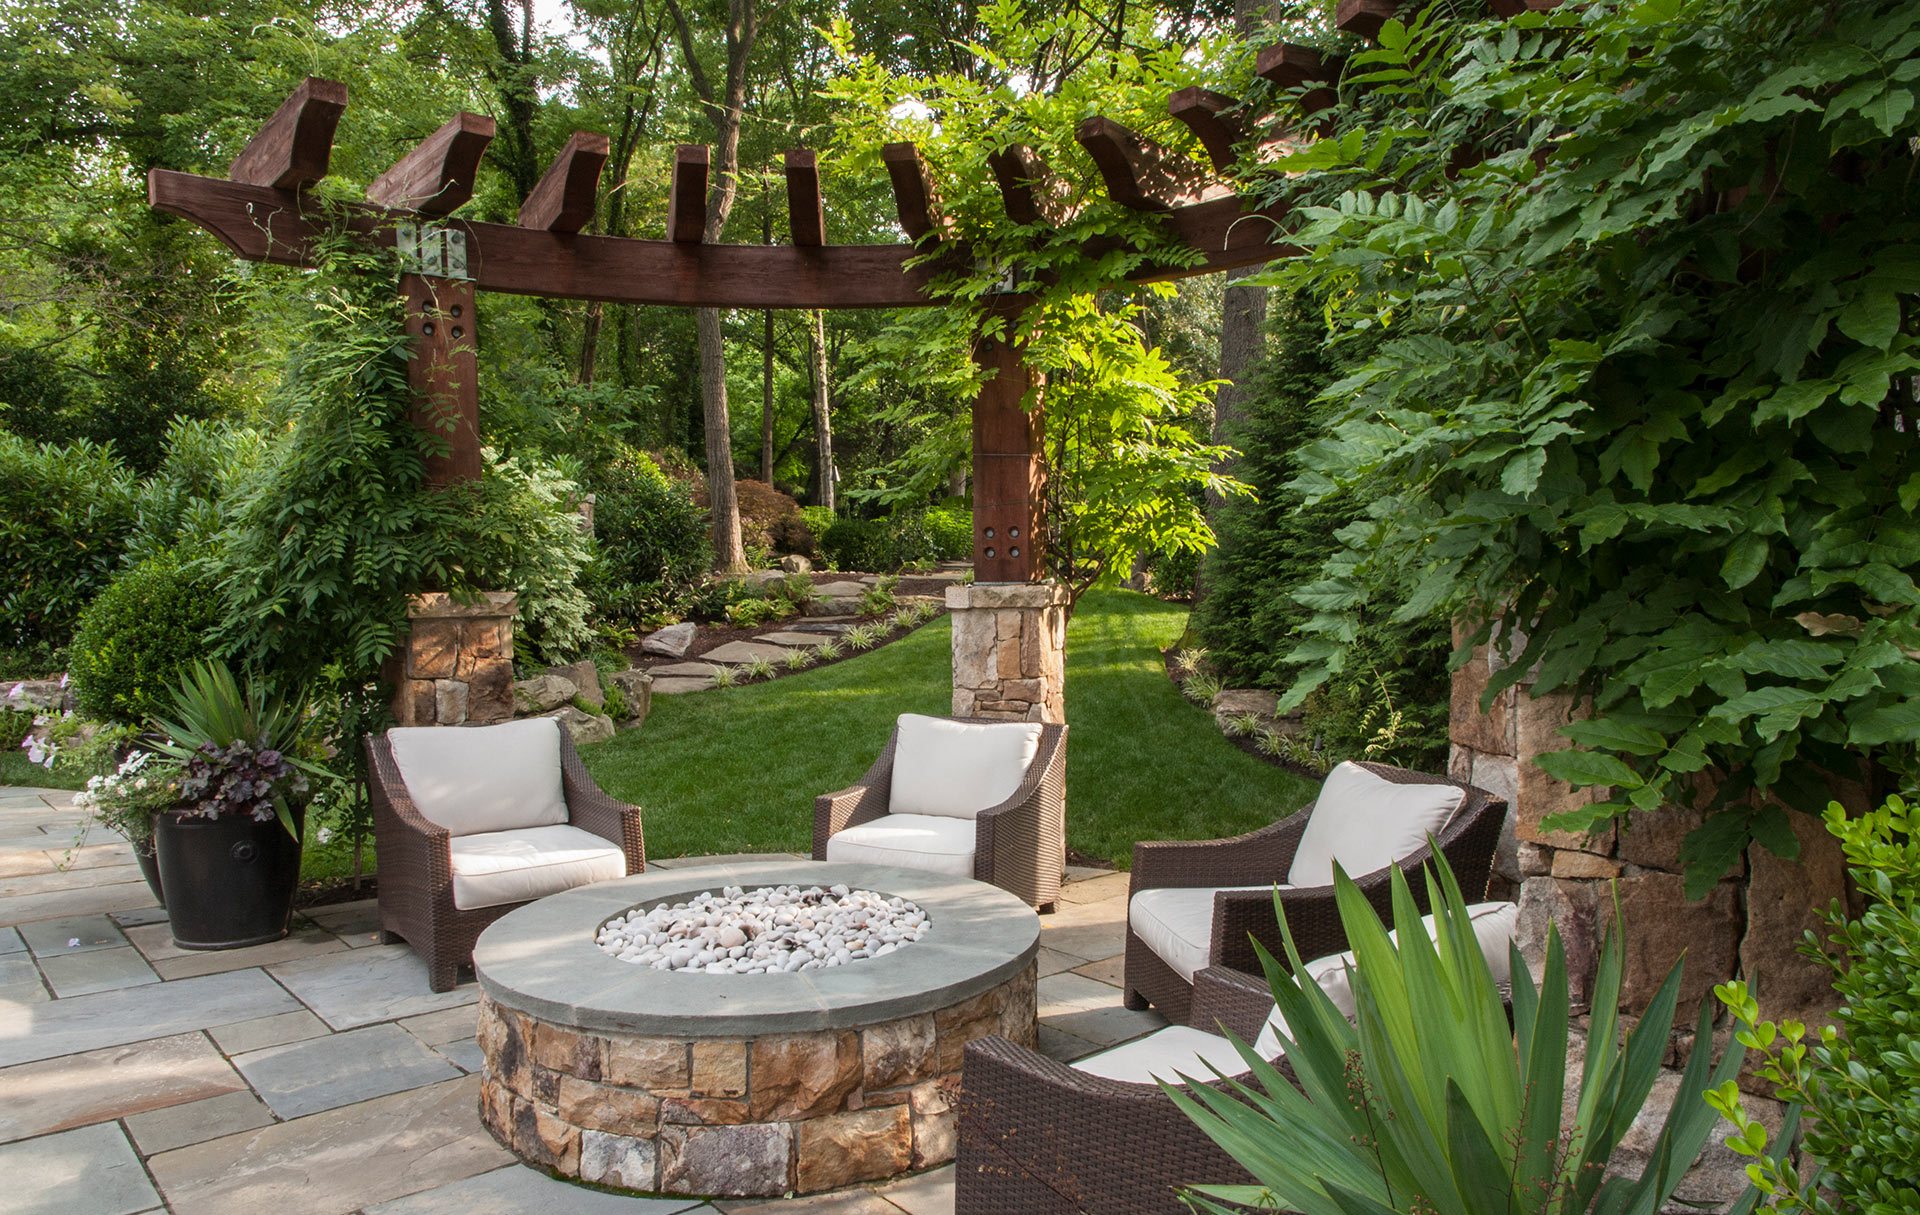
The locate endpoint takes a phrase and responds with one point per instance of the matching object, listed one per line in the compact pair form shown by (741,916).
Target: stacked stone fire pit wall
(751,1085)
(789,1112)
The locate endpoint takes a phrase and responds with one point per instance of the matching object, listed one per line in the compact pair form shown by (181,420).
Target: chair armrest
(416,865)
(1230,1001)
(858,803)
(591,809)
(1012,835)
(1263,855)
(1098,1144)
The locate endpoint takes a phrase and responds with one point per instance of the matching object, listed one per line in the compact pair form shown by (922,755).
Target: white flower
(63,679)
(13,693)
(324,835)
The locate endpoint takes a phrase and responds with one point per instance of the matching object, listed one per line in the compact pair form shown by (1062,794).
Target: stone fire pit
(687,1082)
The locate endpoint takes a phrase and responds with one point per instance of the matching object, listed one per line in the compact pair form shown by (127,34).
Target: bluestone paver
(302,1078)
(81,974)
(72,934)
(98,1086)
(929,1193)
(339,1161)
(197,1121)
(10,942)
(519,1190)
(90,1171)
(20,980)
(362,986)
(262,1032)
(134,1014)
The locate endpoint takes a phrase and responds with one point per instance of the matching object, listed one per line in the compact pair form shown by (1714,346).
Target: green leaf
(1745,558)
(1794,401)
(1586,768)
(1612,734)
(1872,318)
(1898,722)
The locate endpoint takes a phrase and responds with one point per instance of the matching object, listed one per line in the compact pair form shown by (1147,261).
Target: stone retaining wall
(787,1113)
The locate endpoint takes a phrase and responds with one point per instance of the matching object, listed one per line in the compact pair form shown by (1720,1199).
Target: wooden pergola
(261,212)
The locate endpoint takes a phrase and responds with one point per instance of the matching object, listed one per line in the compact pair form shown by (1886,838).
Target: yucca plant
(236,745)
(1430,1102)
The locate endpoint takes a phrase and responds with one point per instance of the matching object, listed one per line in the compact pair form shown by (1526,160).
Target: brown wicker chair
(1037,1137)
(1020,844)
(416,866)
(1240,917)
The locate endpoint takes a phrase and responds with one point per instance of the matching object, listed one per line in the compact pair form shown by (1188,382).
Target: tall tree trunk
(766,397)
(825,493)
(723,111)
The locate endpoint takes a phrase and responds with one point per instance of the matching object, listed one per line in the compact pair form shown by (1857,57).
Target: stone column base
(456,667)
(1009,650)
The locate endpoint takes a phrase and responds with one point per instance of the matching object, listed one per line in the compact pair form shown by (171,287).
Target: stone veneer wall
(782,1113)
(1748,926)
(457,665)
(1009,650)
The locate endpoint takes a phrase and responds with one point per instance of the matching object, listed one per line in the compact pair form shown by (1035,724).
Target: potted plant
(229,848)
(126,800)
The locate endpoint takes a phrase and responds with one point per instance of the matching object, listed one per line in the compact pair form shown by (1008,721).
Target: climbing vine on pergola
(262,211)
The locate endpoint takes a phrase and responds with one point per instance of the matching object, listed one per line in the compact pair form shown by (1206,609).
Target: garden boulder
(585,727)
(637,687)
(585,677)
(671,642)
(543,692)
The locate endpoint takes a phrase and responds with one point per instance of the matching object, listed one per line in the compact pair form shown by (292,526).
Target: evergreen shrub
(135,640)
(1391,701)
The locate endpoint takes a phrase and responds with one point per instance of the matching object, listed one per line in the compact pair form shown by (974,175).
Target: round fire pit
(692,1082)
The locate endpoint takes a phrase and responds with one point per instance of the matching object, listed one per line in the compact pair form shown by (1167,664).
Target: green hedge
(893,542)
(65,515)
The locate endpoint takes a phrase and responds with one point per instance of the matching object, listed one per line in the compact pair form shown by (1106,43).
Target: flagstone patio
(319,1075)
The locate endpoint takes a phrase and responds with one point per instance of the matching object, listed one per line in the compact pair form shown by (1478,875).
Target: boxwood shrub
(136,638)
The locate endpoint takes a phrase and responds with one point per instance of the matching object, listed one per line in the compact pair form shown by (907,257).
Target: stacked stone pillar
(456,667)
(1749,925)
(1009,650)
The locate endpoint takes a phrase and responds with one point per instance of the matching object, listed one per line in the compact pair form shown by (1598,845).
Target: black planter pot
(229,880)
(150,868)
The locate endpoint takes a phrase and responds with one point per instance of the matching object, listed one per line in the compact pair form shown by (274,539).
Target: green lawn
(736,769)
(15,770)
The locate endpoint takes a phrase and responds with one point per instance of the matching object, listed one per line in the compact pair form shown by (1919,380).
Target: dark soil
(335,890)
(1244,742)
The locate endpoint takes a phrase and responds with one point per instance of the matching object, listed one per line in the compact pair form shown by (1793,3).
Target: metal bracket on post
(436,252)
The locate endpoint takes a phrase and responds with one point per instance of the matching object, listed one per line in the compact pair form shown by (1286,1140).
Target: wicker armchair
(1038,1137)
(1468,841)
(1019,845)
(417,872)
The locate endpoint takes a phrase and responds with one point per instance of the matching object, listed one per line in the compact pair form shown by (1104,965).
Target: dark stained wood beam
(443,372)
(1513,8)
(1215,120)
(1140,174)
(1293,67)
(1030,192)
(1364,17)
(563,201)
(806,212)
(262,224)
(294,147)
(914,198)
(687,195)
(437,176)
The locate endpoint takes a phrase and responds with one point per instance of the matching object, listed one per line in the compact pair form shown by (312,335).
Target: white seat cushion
(496,867)
(1493,927)
(1176,922)
(1367,823)
(474,779)
(1166,1054)
(911,841)
(956,769)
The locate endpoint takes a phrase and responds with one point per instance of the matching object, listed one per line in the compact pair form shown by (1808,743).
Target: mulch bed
(1242,741)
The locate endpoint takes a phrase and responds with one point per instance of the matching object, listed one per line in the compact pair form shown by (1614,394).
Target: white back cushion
(471,779)
(958,768)
(1367,823)
(1493,926)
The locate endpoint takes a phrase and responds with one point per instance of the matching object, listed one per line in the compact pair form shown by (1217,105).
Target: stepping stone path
(682,670)
(796,640)
(744,651)
(674,686)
